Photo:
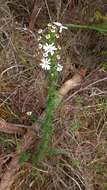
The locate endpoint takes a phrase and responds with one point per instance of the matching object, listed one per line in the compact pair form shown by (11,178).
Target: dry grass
(80,124)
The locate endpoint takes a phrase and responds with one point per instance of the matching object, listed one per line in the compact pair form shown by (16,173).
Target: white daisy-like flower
(45,64)
(46,60)
(59,67)
(49,48)
(60,26)
(29,113)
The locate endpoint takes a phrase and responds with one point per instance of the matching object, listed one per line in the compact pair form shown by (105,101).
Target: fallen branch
(30,137)
(71,84)
(10,128)
(17,129)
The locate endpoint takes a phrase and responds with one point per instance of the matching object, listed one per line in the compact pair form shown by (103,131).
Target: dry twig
(10,128)
(35,12)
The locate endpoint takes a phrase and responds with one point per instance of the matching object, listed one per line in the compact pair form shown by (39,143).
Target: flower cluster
(48,48)
(46,62)
(61,27)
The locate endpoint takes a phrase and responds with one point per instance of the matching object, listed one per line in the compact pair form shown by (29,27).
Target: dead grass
(80,124)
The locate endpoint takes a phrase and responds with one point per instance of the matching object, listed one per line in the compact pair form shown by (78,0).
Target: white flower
(57,36)
(45,64)
(58,57)
(48,36)
(59,67)
(49,48)
(53,30)
(40,46)
(40,31)
(60,26)
(49,25)
(29,113)
(46,60)
(53,27)
(45,54)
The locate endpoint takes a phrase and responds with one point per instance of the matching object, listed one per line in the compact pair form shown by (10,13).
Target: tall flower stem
(46,128)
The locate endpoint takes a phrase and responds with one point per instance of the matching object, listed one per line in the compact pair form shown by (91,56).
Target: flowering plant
(49,48)
(50,61)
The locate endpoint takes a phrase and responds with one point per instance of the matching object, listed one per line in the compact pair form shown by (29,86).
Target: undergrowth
(73,141)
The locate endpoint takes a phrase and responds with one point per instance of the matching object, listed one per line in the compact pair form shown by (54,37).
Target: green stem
(46,128)
(99,28)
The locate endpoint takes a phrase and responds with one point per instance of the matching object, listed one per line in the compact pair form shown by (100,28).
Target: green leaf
(33,118)
(98,27)
(76,163)
(23,158)
(75,127)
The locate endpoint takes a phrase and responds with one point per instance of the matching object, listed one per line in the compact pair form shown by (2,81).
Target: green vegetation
(99,27)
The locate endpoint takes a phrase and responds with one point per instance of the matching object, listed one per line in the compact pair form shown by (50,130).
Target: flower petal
(57,24)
